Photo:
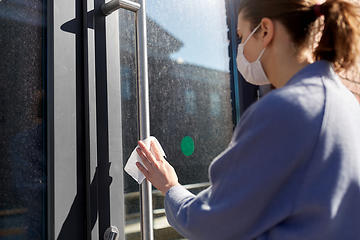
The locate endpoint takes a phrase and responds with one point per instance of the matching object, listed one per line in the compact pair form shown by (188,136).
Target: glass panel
(22,148)
(190,98)
(129,111)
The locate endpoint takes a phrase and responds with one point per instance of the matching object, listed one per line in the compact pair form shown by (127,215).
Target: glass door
(190,103)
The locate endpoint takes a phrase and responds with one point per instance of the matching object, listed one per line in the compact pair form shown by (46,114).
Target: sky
(200,25)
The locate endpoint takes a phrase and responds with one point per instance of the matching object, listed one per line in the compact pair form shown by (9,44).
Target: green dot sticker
(187,146)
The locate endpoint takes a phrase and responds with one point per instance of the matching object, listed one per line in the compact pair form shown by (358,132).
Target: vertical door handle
(146,215)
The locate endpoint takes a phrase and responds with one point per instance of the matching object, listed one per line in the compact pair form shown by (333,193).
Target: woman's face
(253,46)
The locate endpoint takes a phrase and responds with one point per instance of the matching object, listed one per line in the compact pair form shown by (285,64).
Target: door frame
(85,170)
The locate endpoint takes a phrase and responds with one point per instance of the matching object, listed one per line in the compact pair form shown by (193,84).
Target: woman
(292,169)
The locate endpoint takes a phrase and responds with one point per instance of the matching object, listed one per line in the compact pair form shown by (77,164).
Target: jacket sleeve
(254,182)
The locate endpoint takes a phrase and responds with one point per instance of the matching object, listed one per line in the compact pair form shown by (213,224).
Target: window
(22,148)
(190,97)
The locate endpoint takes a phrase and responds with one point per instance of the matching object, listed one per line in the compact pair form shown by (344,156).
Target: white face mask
(252,72)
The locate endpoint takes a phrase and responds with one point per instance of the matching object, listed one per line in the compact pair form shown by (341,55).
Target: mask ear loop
(261,54)
(252,33)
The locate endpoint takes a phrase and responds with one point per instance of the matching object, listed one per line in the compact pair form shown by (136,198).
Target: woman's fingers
(142,169)
(146,152)
(154,147)
(156,169)
(143,158)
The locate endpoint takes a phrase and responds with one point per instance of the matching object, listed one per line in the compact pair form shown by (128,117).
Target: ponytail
(340,39)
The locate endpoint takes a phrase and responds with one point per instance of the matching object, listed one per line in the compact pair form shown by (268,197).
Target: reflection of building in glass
(185,100)
(215,104)
(190,101)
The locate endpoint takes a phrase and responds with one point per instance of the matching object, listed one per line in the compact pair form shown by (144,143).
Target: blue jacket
(291,171)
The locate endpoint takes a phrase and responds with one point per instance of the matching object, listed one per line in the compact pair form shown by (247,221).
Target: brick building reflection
(185,100)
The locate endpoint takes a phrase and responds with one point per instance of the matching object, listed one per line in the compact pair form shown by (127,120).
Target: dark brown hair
(339,41)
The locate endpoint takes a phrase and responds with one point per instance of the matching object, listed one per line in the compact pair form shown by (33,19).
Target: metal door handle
(146,215)
(109,7)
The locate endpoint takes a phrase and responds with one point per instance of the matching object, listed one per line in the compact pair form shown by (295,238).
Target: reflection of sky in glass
(201,27)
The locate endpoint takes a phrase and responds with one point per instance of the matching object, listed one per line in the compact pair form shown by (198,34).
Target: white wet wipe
(131,167)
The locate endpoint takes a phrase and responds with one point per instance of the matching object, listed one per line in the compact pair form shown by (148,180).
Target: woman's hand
(160,173)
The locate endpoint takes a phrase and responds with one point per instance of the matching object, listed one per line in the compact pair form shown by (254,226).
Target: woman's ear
(267,27)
